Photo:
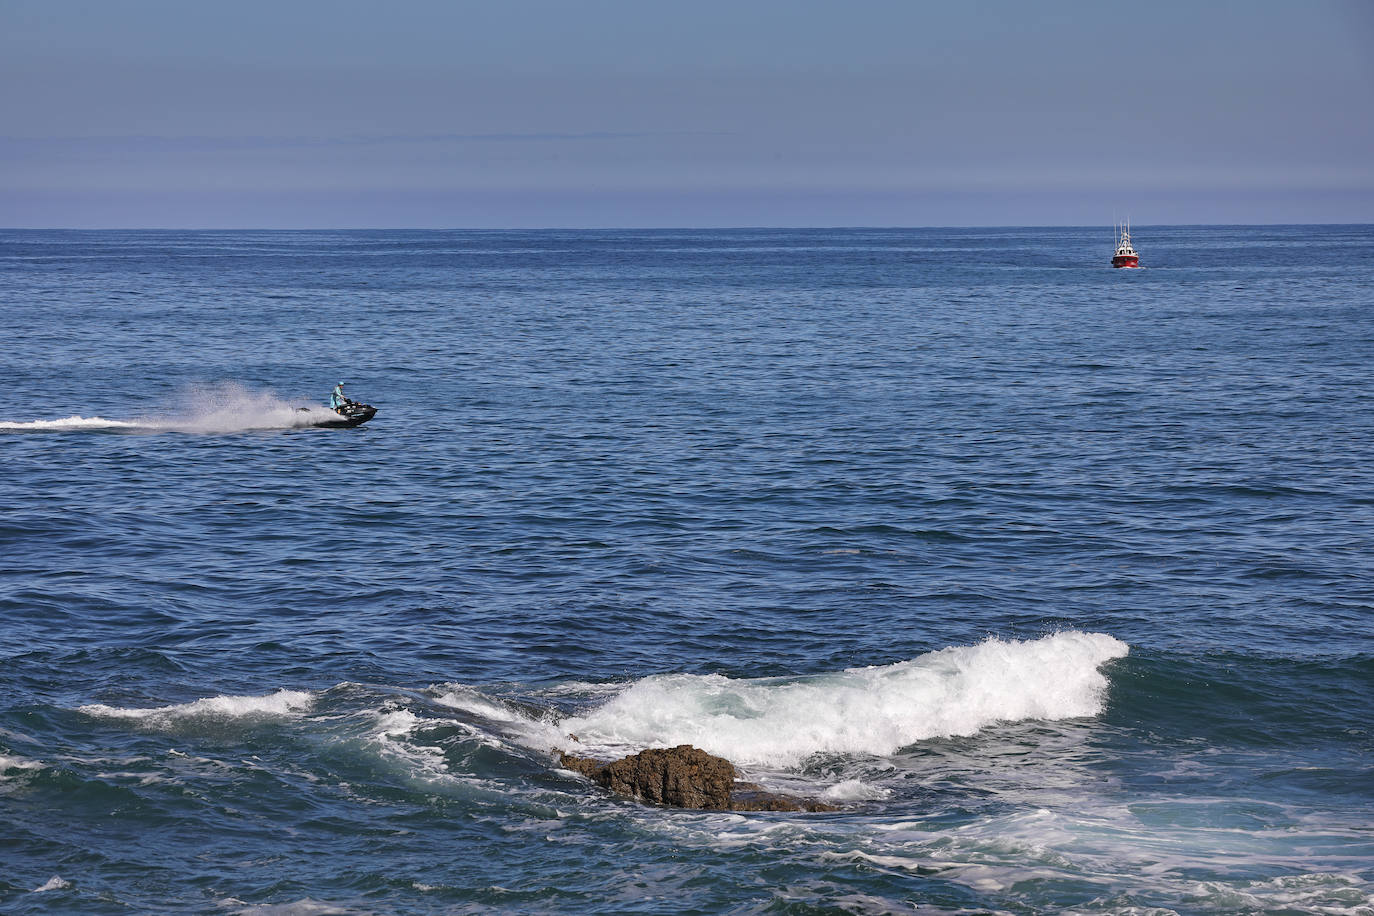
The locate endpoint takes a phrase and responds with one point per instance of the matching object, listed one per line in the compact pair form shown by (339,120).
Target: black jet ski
(351,414)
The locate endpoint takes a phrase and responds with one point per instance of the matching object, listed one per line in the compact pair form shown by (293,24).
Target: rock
(749,797)
(684,777)
(584,765)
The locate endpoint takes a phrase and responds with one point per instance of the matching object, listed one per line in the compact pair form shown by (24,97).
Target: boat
(1125,255)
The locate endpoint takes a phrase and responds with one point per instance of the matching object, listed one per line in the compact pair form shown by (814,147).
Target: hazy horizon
(425,114)
(665,228)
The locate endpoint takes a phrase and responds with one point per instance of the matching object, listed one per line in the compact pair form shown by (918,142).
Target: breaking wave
(877,710)
(768,722)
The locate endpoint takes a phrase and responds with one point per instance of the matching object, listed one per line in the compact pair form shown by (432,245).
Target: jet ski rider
(337,400)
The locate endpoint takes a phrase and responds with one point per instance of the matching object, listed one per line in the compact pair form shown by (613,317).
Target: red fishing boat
(1125,255)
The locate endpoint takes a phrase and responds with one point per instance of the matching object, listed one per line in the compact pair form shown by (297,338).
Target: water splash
(209,409)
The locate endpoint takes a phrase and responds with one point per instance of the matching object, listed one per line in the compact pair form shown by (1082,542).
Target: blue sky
(532,113)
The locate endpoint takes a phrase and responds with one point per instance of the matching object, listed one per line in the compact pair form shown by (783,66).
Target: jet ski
(351,414)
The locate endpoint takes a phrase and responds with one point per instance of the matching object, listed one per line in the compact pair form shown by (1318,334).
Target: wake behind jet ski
(346,413)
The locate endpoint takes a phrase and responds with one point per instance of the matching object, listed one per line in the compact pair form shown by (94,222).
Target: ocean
(1055,579)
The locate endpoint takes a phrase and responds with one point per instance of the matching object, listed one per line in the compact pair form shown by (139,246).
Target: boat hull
(1126,260)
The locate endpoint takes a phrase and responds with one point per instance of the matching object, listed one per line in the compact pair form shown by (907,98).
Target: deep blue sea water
(1056,578)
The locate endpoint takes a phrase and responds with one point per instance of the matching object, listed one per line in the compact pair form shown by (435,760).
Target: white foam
(17,763)
(1102,842)
(1318,892)
(73,422)
(876,710)
(396,723)
(471,701)
(514,724)
(280,704)
(854,790)
(55,883)
(222,408)
(391,736)
(304,907)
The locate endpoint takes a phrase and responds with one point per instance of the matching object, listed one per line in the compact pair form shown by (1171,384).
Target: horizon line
(664,228)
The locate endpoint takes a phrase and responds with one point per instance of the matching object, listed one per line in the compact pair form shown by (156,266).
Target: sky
(634,113)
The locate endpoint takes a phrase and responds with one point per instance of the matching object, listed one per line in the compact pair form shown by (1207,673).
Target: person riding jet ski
(351,412)
(337,399)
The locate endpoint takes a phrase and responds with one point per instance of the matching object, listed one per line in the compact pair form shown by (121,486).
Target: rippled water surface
(1056,579)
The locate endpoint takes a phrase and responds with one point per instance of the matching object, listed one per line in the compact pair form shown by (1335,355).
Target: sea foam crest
(8,763)
(876,710)
(280,703)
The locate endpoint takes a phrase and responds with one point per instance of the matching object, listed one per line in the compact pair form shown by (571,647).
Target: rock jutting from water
(685,777)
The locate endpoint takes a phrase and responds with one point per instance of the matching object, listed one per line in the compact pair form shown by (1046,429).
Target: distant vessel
(1125,255)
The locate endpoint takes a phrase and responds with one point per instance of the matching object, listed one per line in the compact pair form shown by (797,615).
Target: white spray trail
(223,408)
(781,721)
(74,422)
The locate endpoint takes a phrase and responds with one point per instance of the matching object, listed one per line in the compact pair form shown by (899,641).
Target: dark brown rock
(584,765)
(684,777)
(749,797)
